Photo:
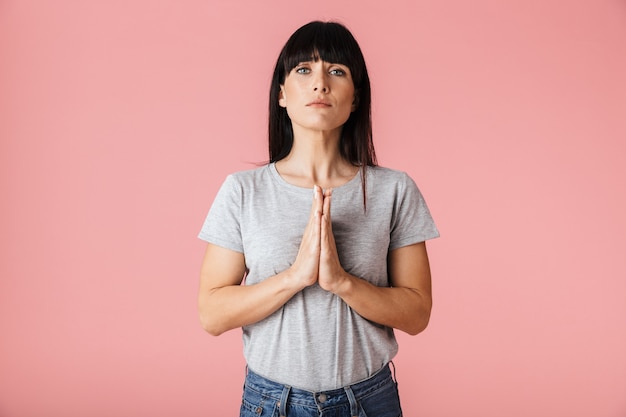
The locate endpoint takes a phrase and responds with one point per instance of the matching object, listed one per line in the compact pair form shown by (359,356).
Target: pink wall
(119,120)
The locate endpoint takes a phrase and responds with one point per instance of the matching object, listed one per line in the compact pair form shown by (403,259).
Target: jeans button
(322,397)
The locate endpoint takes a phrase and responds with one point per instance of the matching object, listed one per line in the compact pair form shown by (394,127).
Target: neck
(315,159)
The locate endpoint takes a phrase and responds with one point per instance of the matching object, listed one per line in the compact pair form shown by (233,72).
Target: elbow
(209,318)
(418,326)
(212,329)
(420,321)
(210,325)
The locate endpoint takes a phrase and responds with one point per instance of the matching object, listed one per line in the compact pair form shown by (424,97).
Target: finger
(318,200)
(324,235)
(326,226)
(313,228)
(327,197)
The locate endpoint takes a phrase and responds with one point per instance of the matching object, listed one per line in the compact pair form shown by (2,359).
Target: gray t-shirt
(316,341)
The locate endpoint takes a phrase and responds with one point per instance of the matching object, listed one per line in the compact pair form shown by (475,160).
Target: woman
(331,246)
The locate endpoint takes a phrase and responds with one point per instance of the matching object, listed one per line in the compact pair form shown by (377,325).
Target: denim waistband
(320,399)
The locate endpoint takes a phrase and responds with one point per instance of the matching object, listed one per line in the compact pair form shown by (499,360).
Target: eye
(337,71)
(302,70)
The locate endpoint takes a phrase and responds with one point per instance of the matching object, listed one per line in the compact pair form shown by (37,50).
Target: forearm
(224,304)
(229,307)
(402,308)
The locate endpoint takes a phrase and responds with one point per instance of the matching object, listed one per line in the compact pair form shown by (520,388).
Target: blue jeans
(374,397)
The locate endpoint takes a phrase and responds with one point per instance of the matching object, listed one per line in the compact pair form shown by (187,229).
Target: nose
(320,83)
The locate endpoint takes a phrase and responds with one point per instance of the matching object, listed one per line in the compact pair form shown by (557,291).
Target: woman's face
(318,96)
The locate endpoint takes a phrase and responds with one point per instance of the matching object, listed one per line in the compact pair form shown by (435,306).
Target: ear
(281,98)
(355,102)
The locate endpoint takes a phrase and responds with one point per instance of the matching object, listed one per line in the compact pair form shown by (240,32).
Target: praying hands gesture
(225,304)
(317,259)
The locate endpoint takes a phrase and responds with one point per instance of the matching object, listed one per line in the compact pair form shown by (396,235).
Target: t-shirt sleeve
(222,225)
(412,221)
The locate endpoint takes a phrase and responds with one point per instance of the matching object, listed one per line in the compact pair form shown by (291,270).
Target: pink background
(120,119)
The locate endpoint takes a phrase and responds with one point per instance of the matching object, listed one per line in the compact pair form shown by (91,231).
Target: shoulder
(250,173)
(249,177)
(392,185)
(389,177)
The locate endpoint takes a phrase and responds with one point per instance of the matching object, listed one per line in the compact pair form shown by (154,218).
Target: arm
(225,304)
(406,305)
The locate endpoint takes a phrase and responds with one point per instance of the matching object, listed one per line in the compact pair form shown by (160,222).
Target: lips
(318,103)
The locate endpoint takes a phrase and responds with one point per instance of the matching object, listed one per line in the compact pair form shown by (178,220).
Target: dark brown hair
(330,42)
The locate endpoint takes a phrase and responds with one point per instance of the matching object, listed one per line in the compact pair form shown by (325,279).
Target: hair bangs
(333,43)
(329,42)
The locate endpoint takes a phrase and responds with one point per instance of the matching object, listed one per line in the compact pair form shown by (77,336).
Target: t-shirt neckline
(355,181)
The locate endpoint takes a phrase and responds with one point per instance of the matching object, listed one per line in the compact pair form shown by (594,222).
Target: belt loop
(282,405)
(354,407)
(393,366)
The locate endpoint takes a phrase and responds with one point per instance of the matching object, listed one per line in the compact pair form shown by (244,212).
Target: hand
(331,273)
(305,268)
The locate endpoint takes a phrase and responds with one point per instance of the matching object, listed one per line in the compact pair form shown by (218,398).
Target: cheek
(291,92)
